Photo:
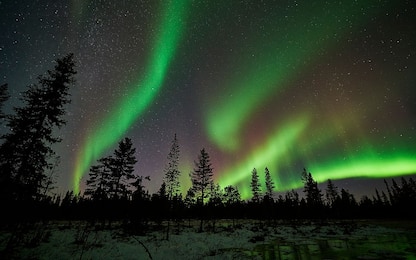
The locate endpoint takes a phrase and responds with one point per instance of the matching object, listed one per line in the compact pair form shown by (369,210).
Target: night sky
(325,85)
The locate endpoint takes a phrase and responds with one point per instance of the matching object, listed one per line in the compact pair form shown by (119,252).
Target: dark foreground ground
(224,239)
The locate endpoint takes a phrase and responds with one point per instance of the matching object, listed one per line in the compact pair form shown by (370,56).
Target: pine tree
(269,185)
(98,183)
(202,176)
(122,167)
(172,172)
(331,193)
(25,154)
(255,186)
(313,193)
(202,180)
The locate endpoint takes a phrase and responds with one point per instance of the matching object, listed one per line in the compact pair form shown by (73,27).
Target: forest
(116,196)
(113,192)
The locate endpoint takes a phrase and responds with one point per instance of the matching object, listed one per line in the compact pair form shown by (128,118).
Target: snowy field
(246,239)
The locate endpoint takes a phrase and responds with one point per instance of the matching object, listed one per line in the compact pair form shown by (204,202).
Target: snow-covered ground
(247,239)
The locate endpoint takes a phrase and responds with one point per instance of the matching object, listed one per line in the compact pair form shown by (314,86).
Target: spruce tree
(122,167)
(269,184)
(202,179)
(172,172)
(202,176)
(312,192)
(98,183)
(332,194)
(26,153)
(255,186)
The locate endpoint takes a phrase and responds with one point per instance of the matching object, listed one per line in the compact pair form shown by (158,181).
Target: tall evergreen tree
(255,186)
(331,193)
(312,192)
(122,167)
(202,180)
(98,183)
(172,172)
(269,184)
(25,154)
(202,176)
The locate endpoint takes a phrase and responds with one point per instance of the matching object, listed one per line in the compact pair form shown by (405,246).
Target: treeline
(114,192)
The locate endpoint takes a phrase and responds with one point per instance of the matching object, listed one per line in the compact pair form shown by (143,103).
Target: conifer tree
(98,183)
(139,193)
(231,195)
(331,193)
(255,186)
(202,180)
(172,172)
(216,195)
(25,154)
(312,192)
(202,176)
(269,184)
(122,167)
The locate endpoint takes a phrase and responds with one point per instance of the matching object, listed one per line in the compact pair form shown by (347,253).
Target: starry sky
(325,85)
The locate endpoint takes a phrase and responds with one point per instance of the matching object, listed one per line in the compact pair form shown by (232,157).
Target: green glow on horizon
(367,164)
(360,157)
(268,155)
(126,112)
(278,63)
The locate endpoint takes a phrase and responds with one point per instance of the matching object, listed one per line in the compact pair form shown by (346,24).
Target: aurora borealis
(278,84)
(121,117)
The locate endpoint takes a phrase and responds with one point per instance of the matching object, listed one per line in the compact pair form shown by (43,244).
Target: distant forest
(114,193)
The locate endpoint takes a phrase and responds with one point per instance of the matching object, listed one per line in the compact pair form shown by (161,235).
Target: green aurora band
(274,150)
(292,141)
(279,60)
(126,112)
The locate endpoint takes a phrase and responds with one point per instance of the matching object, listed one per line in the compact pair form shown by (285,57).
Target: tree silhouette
(122,167)
(312,192)
(139,194)
(26,152)
(255,186)
(269,185)
(331,193)
(172,172)
(202,176)
(232,200)
(202,179)
(231,195)
(98,184)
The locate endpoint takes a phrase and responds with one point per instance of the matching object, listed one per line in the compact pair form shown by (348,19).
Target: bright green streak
(366,165)
(274,151)
(112,129)
(278,62)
